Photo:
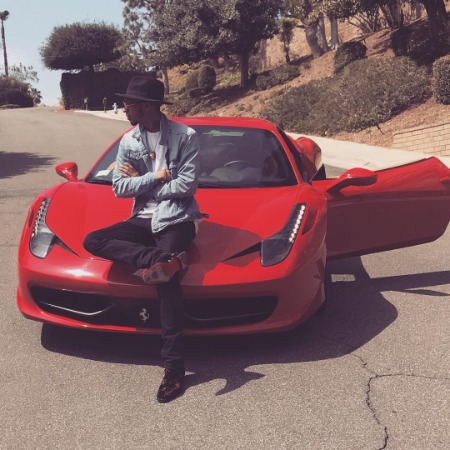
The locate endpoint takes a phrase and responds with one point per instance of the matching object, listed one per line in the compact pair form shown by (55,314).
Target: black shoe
(171,385)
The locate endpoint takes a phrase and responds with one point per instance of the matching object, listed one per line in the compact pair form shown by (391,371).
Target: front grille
(144,313)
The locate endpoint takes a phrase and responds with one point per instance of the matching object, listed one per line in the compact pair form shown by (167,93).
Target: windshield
(229,157)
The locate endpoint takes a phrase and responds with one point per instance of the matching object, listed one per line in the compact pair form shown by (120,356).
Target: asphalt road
(370,371)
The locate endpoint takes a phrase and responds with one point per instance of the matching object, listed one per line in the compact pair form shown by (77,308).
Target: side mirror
(353,177)
(68,170)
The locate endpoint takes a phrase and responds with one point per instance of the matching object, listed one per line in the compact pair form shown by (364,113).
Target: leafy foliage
(287,26)
(365,93)
(80,45)
(206,78)
(441,80)
(279,75)
(186,31)
(14,92)
(347,53)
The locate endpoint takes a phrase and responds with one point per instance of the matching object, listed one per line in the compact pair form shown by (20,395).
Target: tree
(310,13)
(175,32)
(80,45)
(24,73)
(139,52)
(287,26)
(437,18)
(392,12)
(4,16)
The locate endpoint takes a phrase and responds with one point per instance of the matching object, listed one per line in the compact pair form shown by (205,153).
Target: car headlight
(277,247)
(42,238)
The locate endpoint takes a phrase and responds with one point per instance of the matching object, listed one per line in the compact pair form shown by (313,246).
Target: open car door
(372,211)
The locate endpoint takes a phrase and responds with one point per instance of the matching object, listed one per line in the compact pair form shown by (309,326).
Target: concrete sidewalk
(342,154)
(347,154)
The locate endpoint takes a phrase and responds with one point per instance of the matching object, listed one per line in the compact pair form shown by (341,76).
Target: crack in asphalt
(369,403)
(374,376)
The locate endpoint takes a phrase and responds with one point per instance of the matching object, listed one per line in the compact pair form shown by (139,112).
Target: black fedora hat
(145,88)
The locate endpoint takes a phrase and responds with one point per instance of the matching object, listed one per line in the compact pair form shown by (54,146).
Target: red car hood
(238,219)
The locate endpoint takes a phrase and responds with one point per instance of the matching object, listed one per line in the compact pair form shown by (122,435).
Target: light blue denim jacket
(176,202)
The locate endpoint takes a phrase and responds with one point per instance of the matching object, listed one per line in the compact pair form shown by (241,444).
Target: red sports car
(258,261)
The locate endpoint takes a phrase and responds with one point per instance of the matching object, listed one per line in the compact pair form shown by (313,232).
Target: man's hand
(163,175)
(128,170)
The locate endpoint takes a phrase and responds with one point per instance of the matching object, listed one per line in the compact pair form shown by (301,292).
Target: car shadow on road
(19,163)
(354,313)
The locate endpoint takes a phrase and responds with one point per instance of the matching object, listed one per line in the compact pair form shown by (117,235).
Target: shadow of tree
(19,163)
(354,313)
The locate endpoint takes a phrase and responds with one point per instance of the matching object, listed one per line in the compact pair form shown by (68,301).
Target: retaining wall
(433,139)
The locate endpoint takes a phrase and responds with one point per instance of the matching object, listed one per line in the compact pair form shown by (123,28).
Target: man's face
(133,110)
(136,110)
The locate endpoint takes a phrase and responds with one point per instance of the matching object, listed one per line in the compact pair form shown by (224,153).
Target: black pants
(132,242)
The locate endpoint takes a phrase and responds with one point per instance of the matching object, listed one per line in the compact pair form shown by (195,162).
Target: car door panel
(372,211)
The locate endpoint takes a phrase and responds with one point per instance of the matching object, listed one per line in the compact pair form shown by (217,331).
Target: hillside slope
(378,45)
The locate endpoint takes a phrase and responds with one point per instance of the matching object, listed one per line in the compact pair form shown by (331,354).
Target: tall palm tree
(3,16)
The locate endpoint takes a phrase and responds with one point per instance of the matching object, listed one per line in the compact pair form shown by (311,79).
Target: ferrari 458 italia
(258,261)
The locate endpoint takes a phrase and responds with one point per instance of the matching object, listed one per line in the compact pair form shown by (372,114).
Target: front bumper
(98,295)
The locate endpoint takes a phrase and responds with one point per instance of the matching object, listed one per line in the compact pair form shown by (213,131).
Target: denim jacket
(175,198)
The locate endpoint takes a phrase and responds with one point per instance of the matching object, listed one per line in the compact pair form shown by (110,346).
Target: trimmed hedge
(95,86)
(441,80)
(192,80)
(200,81)
(206,78)
(367,93)
(347,53)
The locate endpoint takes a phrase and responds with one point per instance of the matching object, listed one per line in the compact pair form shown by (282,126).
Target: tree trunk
(321,35)
(311,39)
(437,17)
(166,80)
(214,61)
(286,52)
(393,14)
(243,63)
(5,55)
(226,62)
(417,11)
(335,41)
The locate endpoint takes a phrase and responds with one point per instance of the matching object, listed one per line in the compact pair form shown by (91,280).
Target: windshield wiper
(96,181)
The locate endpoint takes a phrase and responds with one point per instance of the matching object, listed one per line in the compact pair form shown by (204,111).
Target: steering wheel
(242,162)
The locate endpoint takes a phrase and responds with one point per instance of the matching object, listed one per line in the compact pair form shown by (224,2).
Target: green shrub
(201,81)
(16,97)
(279,75)
(441,80)
(14,92)
(366,93)
(291,109)
(192,80)
(206,78)
(347,53)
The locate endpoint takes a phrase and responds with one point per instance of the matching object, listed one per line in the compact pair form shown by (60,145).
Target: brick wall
(433,139)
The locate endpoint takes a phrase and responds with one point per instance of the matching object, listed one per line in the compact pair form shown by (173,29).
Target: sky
(31,22)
